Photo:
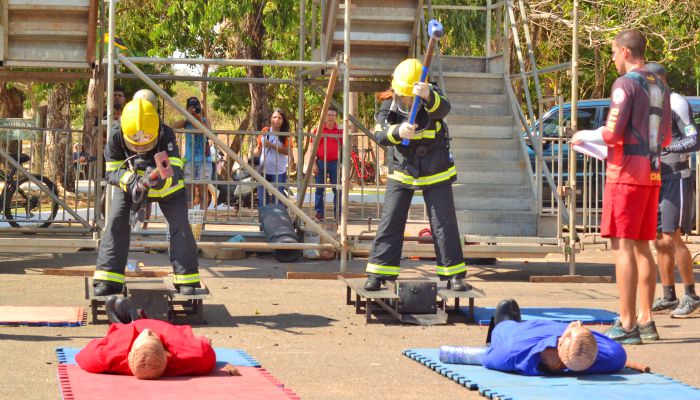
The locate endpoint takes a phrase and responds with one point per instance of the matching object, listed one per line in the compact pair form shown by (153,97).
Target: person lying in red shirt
(148,349)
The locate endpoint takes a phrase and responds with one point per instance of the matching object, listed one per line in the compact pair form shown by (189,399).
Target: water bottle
(462,355)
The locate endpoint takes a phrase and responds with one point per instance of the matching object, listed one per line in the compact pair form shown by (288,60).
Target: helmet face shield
(404,103)
(140,125)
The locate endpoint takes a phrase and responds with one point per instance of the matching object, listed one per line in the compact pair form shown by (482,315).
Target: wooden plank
(200,292)
(450,294)
(483,251)
(43,76)
(46,34)
(89,273)
(357,285)
(91,32)
(322,275)
(570,279)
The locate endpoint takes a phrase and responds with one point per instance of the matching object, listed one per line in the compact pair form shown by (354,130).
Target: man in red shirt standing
(327,162)
(638,126)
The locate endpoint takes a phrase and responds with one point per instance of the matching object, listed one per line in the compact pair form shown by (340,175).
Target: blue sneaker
(618,334)
(648,331)
(688,307)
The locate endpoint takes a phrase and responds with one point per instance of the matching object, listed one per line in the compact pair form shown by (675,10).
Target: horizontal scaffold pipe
(553,68)
(193,78)
(230,62)
(252,246)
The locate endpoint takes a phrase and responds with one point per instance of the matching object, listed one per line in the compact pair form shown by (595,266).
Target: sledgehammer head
(435,29)
(163,167)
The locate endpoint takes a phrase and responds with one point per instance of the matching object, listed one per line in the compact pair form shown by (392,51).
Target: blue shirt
(516,347)
(196,151)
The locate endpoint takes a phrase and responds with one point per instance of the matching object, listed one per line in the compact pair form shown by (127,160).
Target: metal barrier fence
(47,179)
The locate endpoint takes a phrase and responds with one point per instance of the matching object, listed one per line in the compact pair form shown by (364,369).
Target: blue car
(592,114)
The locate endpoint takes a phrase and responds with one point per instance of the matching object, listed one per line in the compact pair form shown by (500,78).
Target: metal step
(484,144)
(492,197)
(497,222)
(460,64)
(483,120)
(492,155)
(474,83)
(489,173)
(458,131)
(475,108)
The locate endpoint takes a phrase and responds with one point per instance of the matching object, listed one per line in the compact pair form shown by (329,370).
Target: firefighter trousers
(114,246)
(388,243)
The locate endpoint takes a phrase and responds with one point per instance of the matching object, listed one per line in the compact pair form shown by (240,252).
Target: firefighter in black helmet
(426,164)
(129,159)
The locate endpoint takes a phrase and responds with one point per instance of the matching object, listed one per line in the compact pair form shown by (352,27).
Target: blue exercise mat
(627,384)
(235,357)
(588,316)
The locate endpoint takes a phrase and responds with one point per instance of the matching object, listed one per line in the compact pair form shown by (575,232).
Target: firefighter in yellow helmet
(424,163)
(129,160)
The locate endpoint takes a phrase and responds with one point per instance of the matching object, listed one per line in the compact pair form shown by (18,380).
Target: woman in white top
(274,155)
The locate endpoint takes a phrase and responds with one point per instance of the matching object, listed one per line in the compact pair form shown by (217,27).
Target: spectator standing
(326,165)
(638,126)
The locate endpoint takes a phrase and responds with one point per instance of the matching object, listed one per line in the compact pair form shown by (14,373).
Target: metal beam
(43,76)
(230,62)
(168,77)
(235,157)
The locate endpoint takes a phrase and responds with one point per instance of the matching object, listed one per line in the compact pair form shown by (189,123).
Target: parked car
(592,114)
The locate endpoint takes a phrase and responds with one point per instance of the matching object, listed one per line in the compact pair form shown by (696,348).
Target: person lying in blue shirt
(544,347)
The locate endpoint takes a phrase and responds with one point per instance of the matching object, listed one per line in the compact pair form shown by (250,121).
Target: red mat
(51,316)
(253,384)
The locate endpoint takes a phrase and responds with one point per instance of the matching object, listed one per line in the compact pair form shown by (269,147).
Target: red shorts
(629,211)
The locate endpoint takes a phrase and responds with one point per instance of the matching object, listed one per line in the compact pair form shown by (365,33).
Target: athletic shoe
(648,331)
(688,307)
(662,304)
(618,334)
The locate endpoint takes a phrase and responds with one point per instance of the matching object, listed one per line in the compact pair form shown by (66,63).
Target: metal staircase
(493,196)
(495,191)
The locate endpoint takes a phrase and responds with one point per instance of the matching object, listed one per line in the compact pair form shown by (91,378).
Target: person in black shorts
(676,209)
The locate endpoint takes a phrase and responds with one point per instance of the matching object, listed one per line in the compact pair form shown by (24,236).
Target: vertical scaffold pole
(572,154)
(346,141)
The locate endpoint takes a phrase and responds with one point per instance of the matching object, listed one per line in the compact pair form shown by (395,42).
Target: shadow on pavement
(285,322)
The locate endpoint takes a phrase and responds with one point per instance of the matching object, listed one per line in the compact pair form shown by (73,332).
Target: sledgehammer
(163,168)
(435,31)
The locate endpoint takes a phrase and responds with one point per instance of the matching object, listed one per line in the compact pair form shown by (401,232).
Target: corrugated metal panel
(49,33)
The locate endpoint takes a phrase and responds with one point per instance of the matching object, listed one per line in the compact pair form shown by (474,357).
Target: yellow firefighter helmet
(140,125)
(405,75)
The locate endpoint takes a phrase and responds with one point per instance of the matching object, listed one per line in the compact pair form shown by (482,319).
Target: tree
(57,143)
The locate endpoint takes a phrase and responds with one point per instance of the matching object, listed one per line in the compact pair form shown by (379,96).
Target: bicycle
(23,202)
(362,168)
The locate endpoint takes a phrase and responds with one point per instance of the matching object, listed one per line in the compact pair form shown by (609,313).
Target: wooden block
(89,273)
(223,254)
(570,279)
(322,275)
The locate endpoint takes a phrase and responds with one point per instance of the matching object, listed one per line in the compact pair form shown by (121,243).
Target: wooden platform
(181,308)
(386,299)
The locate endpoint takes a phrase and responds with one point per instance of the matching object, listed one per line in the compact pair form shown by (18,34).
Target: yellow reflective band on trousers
(112,165)
(109,276)
(390,135)
(125,179)
(424,180)
(167,189)
(184,279)
(451,270)
(382,269)
(176,161)
(437,103)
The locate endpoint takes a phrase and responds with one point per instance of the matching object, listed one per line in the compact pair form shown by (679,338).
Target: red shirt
(329,143)
(190,355)
(630,106)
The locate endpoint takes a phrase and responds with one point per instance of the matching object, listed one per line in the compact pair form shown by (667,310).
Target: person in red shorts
(638,126)
(148,349)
